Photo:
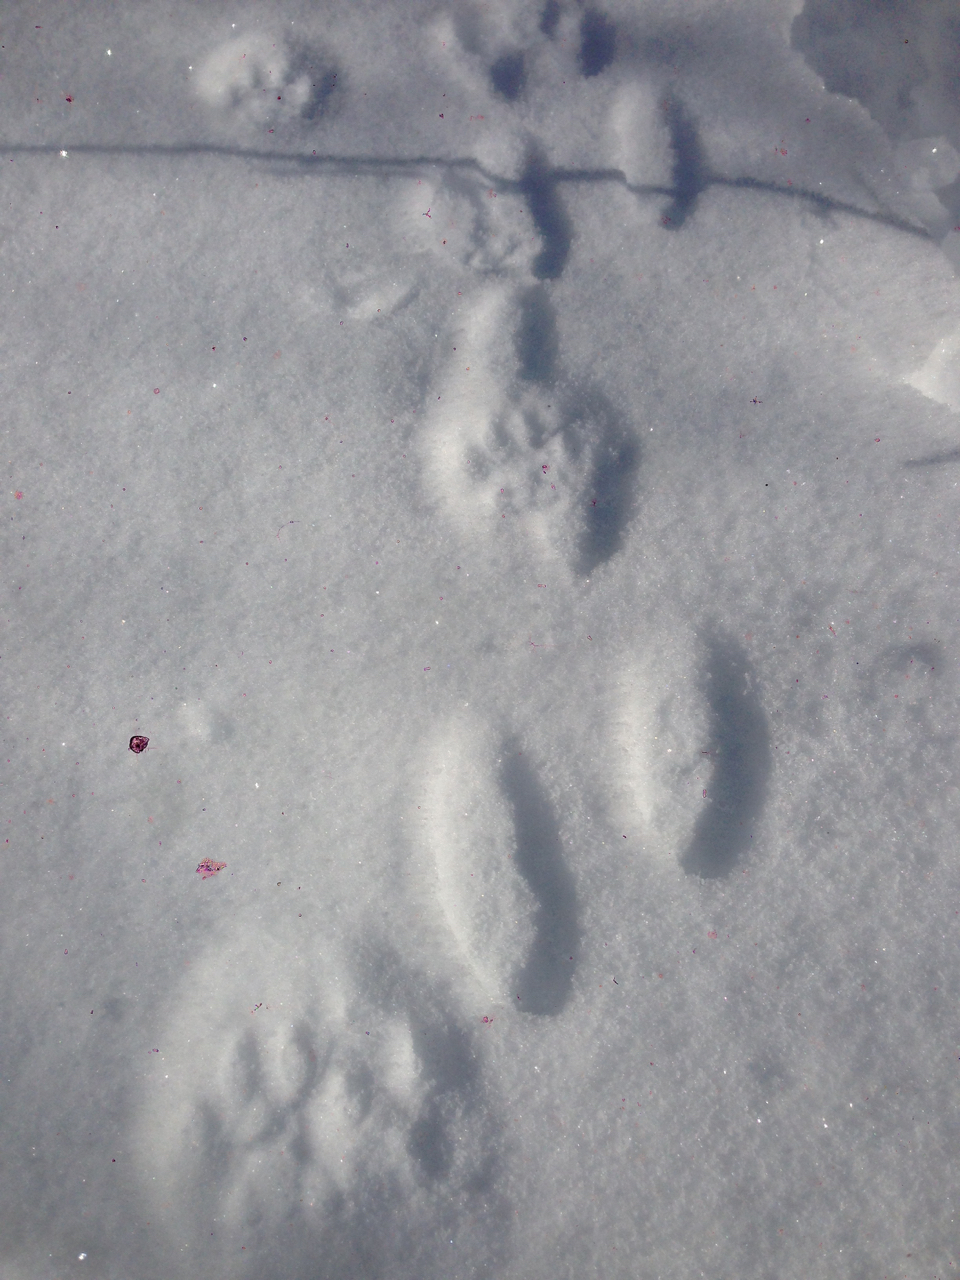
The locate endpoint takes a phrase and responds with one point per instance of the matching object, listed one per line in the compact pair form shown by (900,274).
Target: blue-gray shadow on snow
(610,498)
(448,1086)
(741,755)
(545,980)
(550,18)
(535,341)
(378,167)
(598,43)
(615,463)
(934,459)
(508,75)
(449,1068)
(842,43)
(691,176)
(539,187)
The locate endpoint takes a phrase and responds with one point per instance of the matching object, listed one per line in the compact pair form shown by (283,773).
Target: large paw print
(511,444)
(338,1110)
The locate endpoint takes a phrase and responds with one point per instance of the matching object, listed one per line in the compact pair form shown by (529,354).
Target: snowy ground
(505,457)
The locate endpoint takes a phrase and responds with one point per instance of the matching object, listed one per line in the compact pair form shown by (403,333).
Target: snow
(504,457)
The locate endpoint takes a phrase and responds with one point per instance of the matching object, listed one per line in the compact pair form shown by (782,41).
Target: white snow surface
(505,457)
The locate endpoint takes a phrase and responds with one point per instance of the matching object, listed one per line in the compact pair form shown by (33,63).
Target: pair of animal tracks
(688,771)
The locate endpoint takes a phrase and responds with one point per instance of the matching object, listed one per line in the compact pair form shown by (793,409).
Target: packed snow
(503,457)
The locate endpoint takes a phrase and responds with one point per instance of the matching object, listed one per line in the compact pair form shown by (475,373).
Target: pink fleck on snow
(209,868)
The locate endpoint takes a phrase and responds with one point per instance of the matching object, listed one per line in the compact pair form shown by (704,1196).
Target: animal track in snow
(659,739)
(265,81)
(503,880)
(275,1098)
(508,444)
(486,901)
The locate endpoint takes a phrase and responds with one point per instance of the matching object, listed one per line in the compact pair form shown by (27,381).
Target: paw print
(358,1078)
(510,444)
(265,82)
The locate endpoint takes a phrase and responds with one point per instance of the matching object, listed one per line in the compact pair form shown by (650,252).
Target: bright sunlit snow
(504,456)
